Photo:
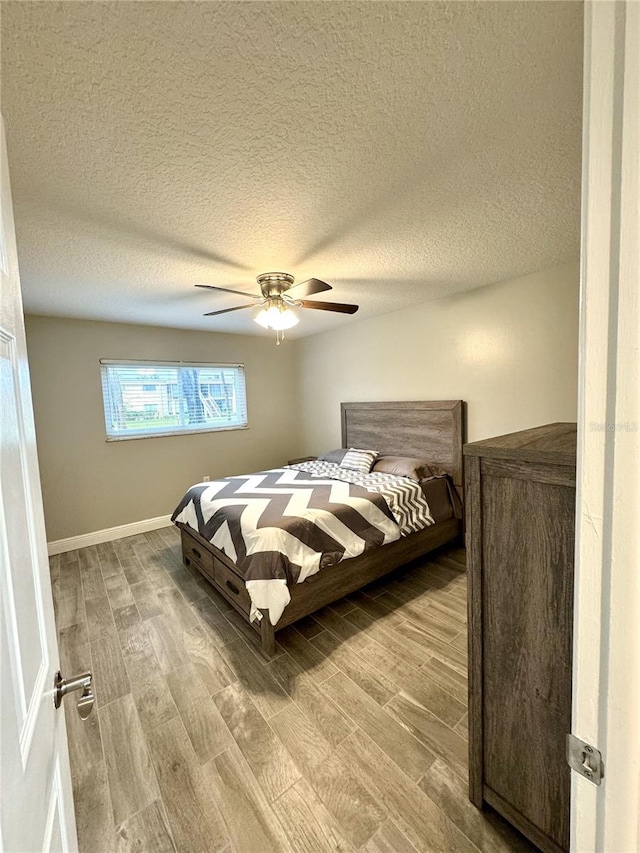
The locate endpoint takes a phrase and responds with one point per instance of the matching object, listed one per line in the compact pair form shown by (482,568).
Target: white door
(606,665)
(37,803)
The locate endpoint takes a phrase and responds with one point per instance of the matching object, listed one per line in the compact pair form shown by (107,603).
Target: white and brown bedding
(283,525)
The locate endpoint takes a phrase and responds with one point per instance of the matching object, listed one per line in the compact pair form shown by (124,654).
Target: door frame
(606,664)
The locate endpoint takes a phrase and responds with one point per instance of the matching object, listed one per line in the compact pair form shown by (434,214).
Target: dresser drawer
(193,554)
(231,586)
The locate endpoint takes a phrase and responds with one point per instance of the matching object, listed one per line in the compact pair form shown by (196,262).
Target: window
(144,398)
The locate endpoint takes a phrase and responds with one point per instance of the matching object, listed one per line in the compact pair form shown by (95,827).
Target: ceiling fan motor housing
(274,283)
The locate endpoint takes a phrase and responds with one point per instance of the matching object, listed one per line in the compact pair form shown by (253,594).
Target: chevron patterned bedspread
(281,526)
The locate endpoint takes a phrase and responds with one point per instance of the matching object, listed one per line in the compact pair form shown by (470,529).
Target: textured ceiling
(400,151)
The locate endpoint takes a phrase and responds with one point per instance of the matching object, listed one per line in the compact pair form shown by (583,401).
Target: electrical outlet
(206,478)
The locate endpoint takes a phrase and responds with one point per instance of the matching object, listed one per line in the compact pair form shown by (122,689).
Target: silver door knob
(62,686)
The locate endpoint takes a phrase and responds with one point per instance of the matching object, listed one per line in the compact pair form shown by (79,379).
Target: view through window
(154,398)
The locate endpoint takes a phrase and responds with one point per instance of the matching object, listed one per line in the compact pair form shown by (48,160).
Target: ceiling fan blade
(227,290)
(308,288)
(338,307)
(226,310)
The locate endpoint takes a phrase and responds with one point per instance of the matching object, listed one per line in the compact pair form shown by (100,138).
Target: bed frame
(426,430)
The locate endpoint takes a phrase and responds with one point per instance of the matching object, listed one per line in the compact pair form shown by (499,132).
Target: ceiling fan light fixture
(286,319)
(276,315)
(262,318)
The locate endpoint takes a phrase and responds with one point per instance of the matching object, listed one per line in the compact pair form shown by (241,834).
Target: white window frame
(131,435)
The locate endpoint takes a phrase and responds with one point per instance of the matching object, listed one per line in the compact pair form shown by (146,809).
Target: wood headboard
(431,430)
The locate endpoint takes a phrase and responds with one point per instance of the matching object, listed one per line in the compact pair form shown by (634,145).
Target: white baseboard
(60,546)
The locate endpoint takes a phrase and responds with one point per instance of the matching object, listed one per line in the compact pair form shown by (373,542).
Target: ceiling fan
(279,294)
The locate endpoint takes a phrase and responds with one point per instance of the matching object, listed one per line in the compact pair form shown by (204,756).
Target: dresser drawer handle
(197,553)
(187,561)
(234,589)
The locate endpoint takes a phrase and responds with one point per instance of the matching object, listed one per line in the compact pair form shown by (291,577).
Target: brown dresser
(520,506)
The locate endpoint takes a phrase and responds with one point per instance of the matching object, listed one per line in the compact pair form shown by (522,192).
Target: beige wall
(90,484)
(510,350)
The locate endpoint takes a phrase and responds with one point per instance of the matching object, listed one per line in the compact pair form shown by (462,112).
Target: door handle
(62,686)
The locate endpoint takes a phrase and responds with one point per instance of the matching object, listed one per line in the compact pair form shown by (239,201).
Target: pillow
(405,466)
(335,456)
(359,460)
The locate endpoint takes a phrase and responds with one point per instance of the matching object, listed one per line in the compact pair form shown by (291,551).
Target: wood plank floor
(353,738)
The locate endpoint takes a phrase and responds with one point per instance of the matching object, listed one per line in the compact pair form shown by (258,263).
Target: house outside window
(143,399)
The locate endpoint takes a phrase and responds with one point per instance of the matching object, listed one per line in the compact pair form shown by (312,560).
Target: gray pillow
(405,466)
(335,456)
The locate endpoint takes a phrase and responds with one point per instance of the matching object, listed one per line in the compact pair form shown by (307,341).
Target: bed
(426,430)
